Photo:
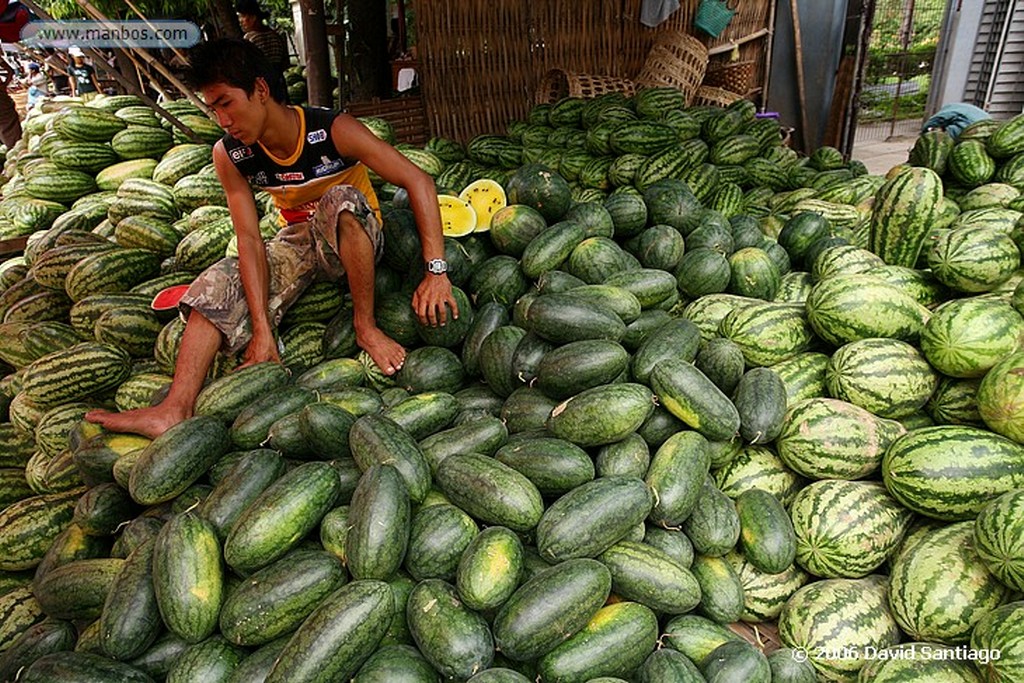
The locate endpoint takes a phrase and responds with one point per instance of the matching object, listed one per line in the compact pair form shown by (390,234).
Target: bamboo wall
(482,61)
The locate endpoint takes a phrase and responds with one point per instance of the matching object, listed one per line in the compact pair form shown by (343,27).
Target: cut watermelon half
(168,298)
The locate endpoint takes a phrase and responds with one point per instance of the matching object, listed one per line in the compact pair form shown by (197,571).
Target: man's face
(248,22)
(241,115)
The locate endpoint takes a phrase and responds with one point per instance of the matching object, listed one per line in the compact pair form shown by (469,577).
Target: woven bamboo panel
(483,62)
(405,114)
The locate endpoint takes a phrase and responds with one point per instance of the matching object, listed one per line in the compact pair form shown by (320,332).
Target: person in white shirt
(38,85)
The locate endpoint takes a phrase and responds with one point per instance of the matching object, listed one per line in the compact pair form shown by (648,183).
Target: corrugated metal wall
(1006,91)
(995,80)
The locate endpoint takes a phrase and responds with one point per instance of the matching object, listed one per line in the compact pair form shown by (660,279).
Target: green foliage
(881,105)
(889,17)
(152,9)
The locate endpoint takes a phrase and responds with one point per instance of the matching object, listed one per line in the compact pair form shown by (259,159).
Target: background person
(83,76)
(57,69)
(38,85)
(274,46)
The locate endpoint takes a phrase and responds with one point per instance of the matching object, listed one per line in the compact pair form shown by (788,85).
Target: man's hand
(262,349)
(429,299)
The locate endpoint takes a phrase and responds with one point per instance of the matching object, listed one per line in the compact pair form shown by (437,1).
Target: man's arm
(95,80)
(353,139)
(252,257)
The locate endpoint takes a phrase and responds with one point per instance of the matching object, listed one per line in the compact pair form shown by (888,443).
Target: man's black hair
(234,62)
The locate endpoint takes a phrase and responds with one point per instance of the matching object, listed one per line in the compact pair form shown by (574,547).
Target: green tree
(889,19)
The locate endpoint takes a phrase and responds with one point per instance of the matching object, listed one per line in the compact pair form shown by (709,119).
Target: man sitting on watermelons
(313,162)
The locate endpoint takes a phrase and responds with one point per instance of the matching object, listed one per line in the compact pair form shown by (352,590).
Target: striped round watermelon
(999,538)
(973,259)
(951,472)
(1001,397)
(803,375)
(758,467)
(955,402)
(846,528)
(849,307)
(794,287)
(1002,631)
(764,594)
(835,621)
(939,588)
(708,311)
(888,377)
(843,259)
(767,332)
(966,337)
(919,529)
(919,284)
(825,438)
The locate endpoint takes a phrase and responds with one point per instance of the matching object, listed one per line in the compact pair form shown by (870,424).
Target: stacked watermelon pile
(695,380)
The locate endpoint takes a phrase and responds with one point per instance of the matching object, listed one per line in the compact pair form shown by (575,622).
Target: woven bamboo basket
(717,97)
(676,60)
(731,76)
(559,83)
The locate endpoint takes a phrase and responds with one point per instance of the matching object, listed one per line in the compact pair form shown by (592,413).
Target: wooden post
(769,49)
(800,82)
(403,41)
(368,40)
(225,19)
(318,69)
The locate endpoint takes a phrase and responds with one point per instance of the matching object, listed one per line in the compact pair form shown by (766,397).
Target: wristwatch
(437,266)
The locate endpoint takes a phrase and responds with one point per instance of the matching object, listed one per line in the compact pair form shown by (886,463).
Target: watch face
(437,266)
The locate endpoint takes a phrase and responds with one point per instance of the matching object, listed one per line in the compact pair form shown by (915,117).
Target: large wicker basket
(676,60)
(559,83)
(717,97)
(731,76)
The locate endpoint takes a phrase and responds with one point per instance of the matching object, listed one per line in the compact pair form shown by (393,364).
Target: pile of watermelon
(696,381)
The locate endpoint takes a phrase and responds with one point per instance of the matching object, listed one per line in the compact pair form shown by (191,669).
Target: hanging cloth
(654,12)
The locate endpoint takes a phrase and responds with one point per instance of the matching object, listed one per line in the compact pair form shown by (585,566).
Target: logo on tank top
(292,175)
(261,178)
(326,166)
(239,153)
(316,136)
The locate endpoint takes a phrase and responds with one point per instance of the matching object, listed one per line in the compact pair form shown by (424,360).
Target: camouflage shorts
(297,256)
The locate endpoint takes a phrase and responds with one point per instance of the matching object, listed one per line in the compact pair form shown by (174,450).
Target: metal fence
(901,51)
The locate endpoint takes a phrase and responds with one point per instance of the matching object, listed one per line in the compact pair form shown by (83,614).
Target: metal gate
(897,74)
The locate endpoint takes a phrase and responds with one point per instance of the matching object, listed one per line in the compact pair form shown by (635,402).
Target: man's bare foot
(388,354)
(149,422)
